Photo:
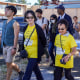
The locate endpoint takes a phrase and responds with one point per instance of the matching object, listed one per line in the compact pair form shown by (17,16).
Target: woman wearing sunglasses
(35,45)
(65,49)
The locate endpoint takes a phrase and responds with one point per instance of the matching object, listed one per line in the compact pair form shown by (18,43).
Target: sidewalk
(47,71)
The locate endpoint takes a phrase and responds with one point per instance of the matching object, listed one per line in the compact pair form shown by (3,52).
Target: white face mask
(52,21)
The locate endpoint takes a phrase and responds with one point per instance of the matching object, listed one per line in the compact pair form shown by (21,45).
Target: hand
(74,26)
(66,58)
(13,51)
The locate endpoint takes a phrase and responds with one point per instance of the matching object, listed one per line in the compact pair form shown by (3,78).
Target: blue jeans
(32,66)
(50,48)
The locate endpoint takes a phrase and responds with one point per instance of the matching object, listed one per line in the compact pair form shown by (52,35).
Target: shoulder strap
(30,36)
(61,42)
(42,19)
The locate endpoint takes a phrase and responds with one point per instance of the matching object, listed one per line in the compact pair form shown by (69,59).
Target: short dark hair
(63,21)
(75,17)
(13,8)
(54,16)
(31,12)
(39,11)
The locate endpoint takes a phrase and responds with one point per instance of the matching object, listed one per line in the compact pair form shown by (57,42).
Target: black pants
(58,73)
(32,66)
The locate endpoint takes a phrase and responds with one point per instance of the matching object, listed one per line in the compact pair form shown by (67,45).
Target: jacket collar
(62,17)
(67,34)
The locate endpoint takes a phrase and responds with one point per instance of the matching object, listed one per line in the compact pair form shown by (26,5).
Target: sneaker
(21,75)
(51,64)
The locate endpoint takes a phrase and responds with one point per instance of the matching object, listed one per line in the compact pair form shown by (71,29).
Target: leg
(9,63)
(29,69)
(37,72)
(68,74)
(9,71)
(50,49)
(15,67)
(58,73)
(46,52)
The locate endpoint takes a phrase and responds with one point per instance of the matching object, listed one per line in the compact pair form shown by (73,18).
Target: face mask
(52,21)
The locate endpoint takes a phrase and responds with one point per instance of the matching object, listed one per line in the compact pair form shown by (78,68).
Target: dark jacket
(70,25)
(52,32)
(41,41)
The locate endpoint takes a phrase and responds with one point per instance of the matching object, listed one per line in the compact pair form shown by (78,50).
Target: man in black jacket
(63,15)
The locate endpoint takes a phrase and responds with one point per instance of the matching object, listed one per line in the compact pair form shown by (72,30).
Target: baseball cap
(60,7)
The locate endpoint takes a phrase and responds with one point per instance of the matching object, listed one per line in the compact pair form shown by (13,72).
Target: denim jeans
(32,66)
(50,48)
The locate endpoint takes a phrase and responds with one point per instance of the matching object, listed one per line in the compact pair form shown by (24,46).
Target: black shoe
(21,75)
(52,64)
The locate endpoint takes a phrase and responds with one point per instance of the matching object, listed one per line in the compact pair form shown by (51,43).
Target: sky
(31,1)
(28,1)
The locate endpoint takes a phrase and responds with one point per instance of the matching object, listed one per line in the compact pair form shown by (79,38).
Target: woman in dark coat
(35,45)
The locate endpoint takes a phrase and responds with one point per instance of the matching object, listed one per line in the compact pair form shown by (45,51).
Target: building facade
(21,8)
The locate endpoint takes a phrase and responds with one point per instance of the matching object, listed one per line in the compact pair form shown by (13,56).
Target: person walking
(63,15)
(52,32)
(76,26)
(65,49)
(42,22)
(35,45)
(10,31)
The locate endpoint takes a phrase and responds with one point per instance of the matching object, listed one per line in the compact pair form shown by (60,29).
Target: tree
(39,1)
(10,0)
(36,4)
(22,1)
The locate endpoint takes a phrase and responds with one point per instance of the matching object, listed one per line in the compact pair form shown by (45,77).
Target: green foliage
(10,0)
(18,1)
(22,1)
(36,4)
(39,1)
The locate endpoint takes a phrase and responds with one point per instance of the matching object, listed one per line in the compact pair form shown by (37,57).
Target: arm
(73,52)
(76,28)
(16,32)
(66,58)
(44,24)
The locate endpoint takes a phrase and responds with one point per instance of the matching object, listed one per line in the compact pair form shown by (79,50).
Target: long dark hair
(54,16)
(31,12)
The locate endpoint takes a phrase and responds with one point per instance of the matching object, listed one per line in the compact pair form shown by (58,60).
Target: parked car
(22,24)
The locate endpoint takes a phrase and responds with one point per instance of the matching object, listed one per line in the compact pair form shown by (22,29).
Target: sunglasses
(61,29)
(29,17)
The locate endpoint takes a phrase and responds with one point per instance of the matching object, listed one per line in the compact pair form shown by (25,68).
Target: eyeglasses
(61,29)
(29,17)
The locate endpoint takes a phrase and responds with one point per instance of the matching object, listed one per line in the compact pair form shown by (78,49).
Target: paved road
(47,71)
